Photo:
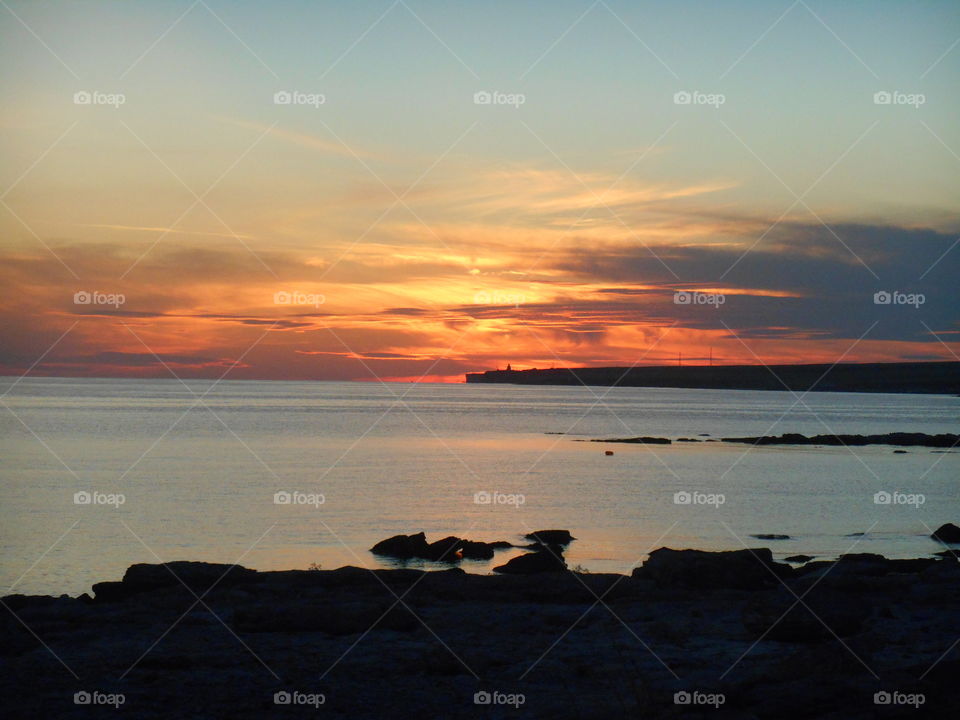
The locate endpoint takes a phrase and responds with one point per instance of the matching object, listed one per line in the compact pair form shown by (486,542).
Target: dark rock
(862,558)
(403,546)
(897,617)
(947,533)
(944,440)
(912,565)
(645,440)
(860,571)
(818,616)
(946,570)
(340,619)
(110,591)
(16,603)
(536,562)
(799,558)
(698,569)
(551,537)
(537,547)
(445,550)
(813,567)
(770,536)
(198,577)
(477,550)
(864,564)
(449,549)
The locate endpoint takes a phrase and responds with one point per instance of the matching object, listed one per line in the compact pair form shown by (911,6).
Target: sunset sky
(419,233)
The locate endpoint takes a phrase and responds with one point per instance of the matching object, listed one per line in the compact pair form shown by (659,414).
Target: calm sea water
(199,466)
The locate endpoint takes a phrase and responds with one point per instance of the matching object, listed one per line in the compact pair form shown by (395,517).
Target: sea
(99,474)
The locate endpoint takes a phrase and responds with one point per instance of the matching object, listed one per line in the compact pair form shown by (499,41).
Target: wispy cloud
(165,230)
(330,146)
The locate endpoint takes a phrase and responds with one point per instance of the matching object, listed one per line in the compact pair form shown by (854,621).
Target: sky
(414,190)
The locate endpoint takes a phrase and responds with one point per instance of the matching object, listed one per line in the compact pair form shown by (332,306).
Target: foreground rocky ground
(868,638)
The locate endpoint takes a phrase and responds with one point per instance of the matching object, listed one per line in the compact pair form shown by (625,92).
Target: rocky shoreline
(689,634)
(909,377)
(944,441)
(900,439)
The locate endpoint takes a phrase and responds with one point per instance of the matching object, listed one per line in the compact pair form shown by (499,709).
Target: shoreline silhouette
(898,377)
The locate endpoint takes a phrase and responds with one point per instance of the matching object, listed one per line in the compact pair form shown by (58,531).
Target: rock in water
(947,533)
(551,537)
(701,570)
(472,550)
(445,550)
(403,546)
(449,549)
(535,562)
